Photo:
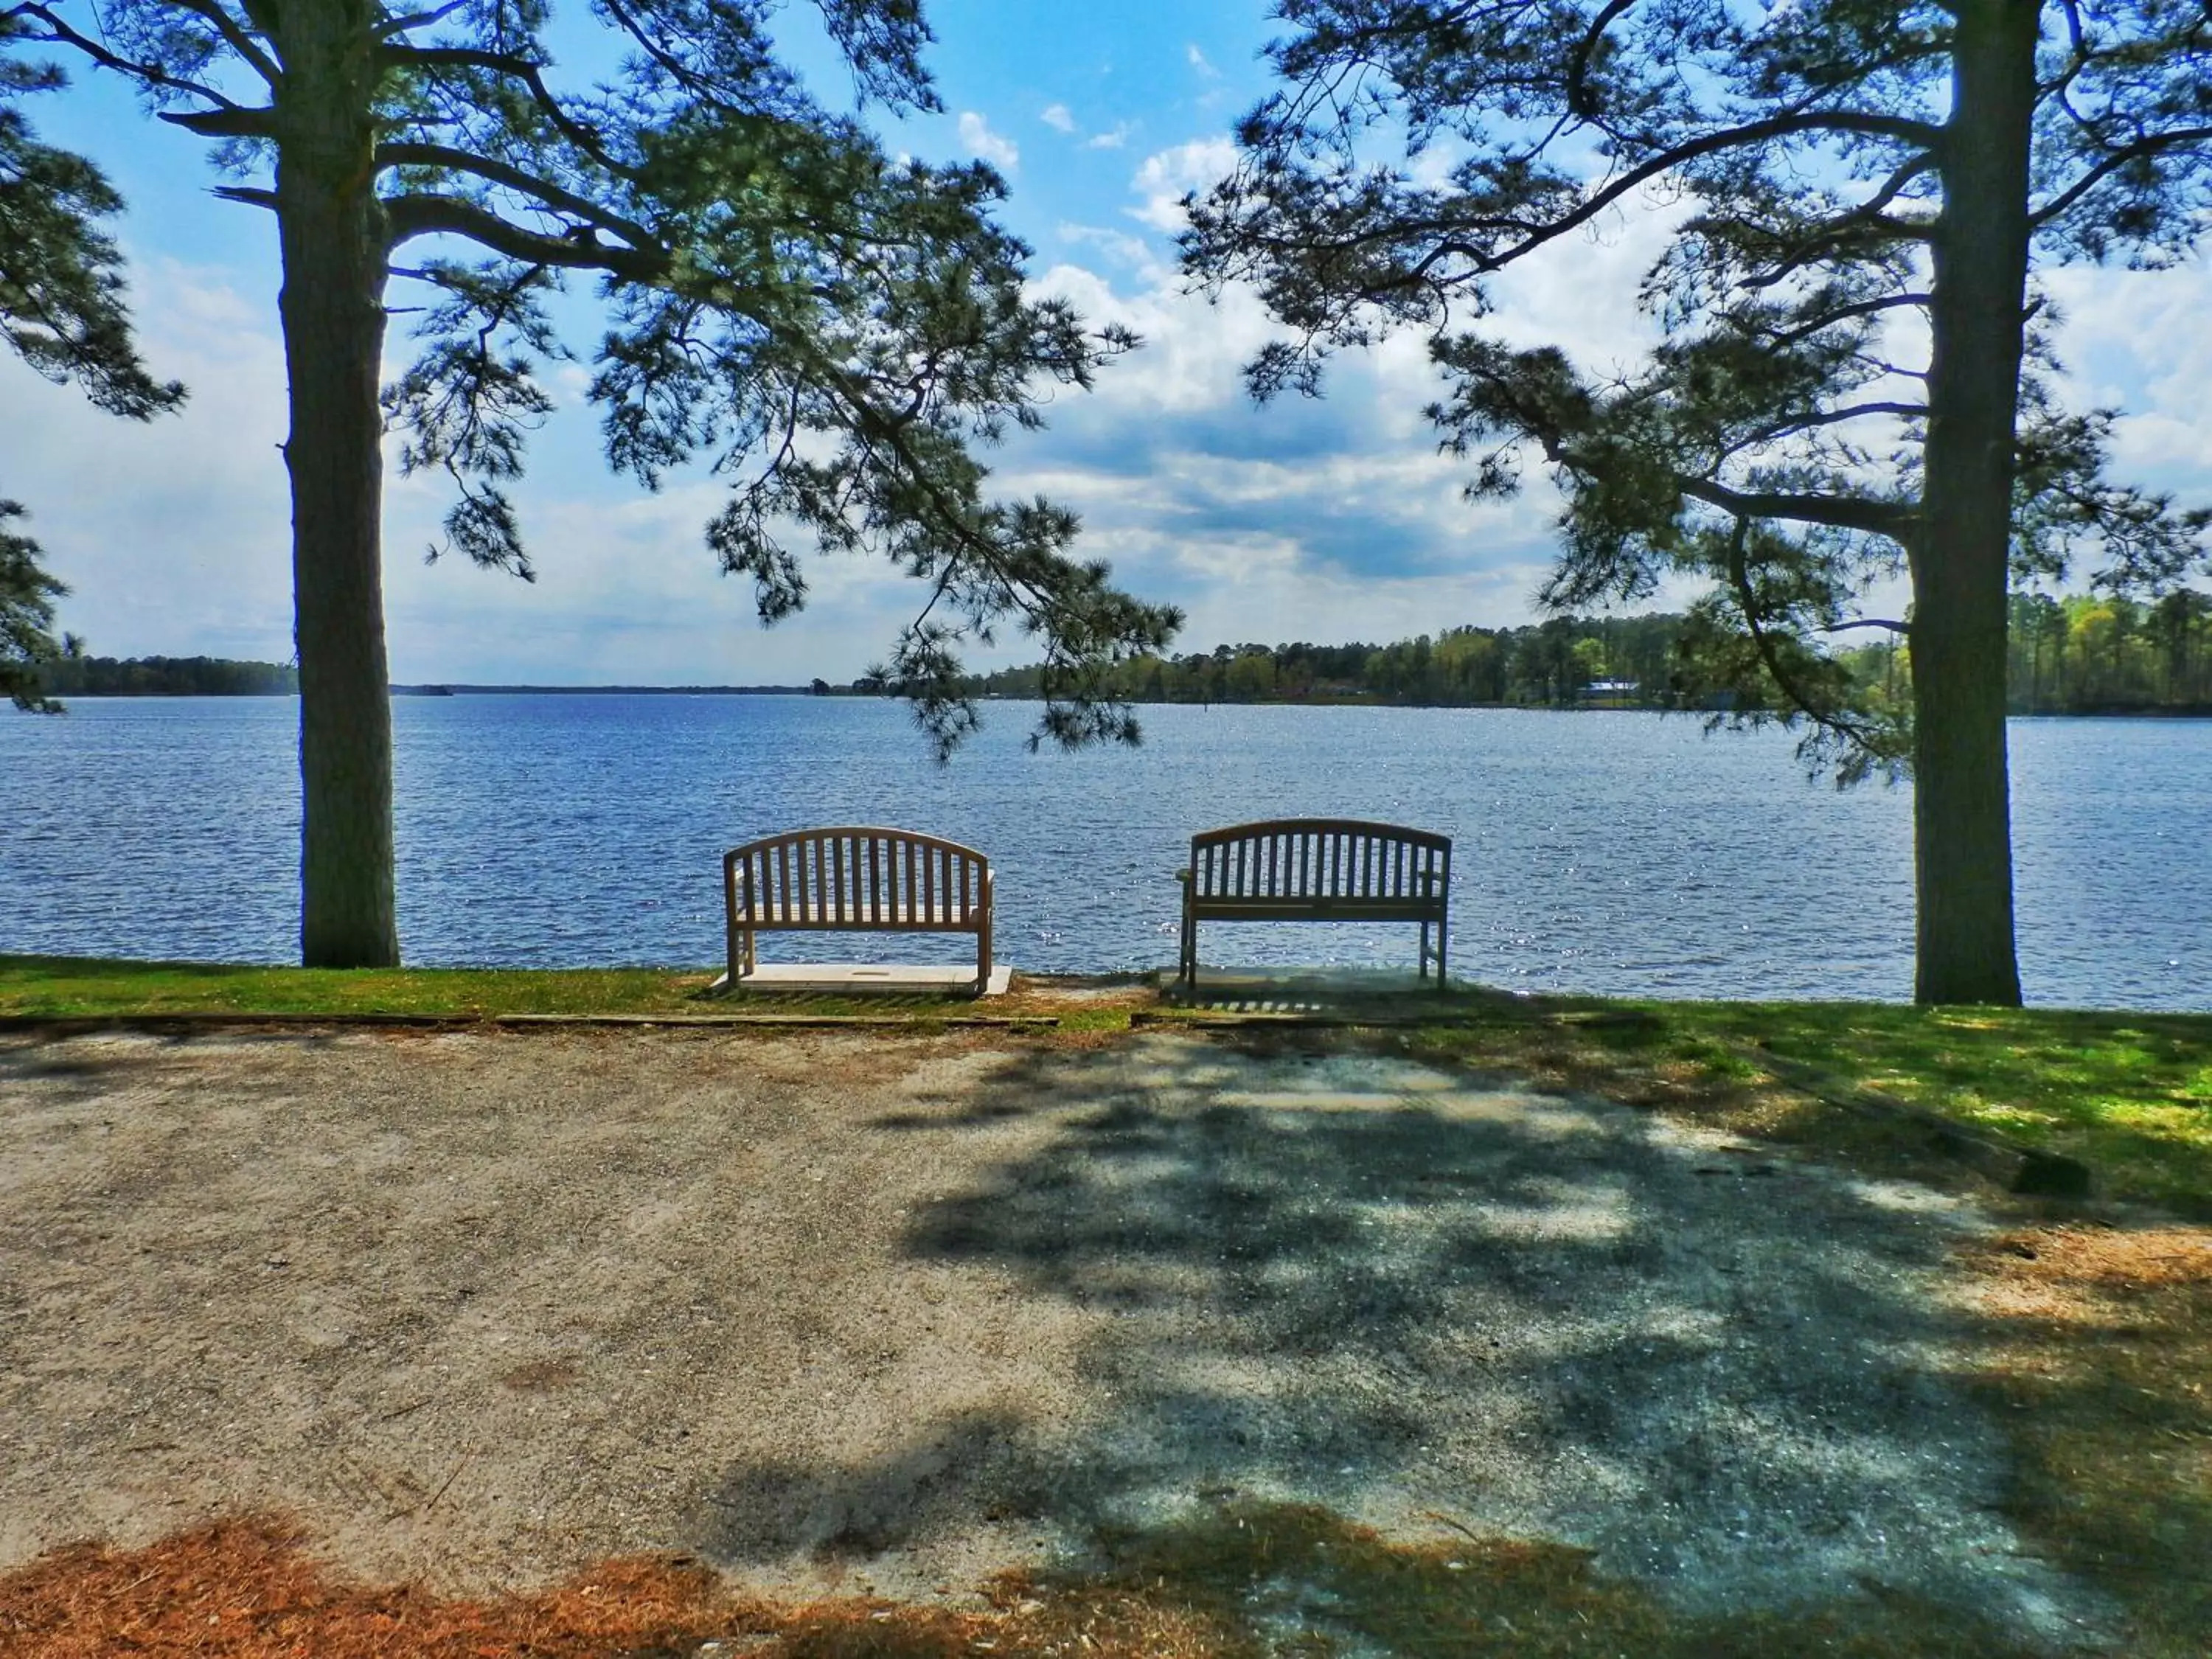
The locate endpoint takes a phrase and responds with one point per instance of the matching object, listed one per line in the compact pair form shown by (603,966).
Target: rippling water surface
(1615,852)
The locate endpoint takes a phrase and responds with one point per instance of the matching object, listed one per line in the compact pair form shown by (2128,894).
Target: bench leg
(733,956)
(1187,968)
(983,939)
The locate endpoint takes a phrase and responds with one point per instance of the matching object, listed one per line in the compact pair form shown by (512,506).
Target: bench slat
(866,876)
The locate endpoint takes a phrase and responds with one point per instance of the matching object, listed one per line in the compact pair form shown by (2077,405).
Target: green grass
(2129,1094)
(64,987)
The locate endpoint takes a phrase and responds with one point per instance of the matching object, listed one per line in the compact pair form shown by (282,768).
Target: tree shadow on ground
(2124,1092)
(69,1071)
(1346,1282)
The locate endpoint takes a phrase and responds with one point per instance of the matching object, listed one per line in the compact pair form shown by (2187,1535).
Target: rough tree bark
(1962,827)
(332,234)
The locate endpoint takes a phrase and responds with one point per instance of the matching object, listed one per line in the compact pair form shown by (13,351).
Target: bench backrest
(1322,861)
(857,876)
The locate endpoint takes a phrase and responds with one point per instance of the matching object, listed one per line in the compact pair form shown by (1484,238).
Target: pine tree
(1856,375)
(835,332)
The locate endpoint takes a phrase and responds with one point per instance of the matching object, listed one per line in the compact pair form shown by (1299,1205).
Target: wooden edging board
(82,1024)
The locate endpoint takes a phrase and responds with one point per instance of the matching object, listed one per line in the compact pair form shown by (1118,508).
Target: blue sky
(1326,522)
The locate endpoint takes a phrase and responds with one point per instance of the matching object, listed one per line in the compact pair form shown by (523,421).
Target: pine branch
(523,183)
(235,122)
(2142,149)
(1837,512)
(412,215)
(55,32)
(248,49)
(511,66)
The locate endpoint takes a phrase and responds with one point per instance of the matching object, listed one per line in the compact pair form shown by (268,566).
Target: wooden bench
(853,879)
(1317,870)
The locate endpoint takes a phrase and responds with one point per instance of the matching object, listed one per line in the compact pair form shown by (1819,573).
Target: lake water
(1616,852)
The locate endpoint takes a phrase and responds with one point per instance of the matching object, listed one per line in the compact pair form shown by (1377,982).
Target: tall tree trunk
(330,231)
(1962,819)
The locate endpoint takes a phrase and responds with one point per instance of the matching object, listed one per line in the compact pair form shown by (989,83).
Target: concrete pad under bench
(1294,986)
(852,978)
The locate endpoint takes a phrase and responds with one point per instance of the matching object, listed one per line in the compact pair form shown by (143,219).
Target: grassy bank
(73,986)
(2129,1094)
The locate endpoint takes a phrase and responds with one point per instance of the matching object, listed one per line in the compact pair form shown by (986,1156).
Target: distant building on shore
(1610,694)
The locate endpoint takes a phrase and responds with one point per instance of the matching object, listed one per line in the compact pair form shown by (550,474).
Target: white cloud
(1198,62)
(1111,139)
(1191,349)
(2135,341)
(1166,177)
(175,534)
(1324,521)
(976,137)
(1133,251)
(1058,117)
(1581,292)
(627,593)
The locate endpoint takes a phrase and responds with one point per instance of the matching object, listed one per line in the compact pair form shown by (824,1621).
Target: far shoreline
(2183,712)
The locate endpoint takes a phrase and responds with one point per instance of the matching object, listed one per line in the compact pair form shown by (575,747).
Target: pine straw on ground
(2099,1361)
(248,1589)
(1262,1583)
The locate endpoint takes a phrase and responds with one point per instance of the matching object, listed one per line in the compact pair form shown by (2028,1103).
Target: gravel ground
(841,1310)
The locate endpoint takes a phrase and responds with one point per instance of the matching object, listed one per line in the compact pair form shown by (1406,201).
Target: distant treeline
(2085,654)
(1556,664)
(2091,654)
(2088,654)
(166,676)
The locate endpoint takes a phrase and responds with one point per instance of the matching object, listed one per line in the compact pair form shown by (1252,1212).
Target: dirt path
(840,1311)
